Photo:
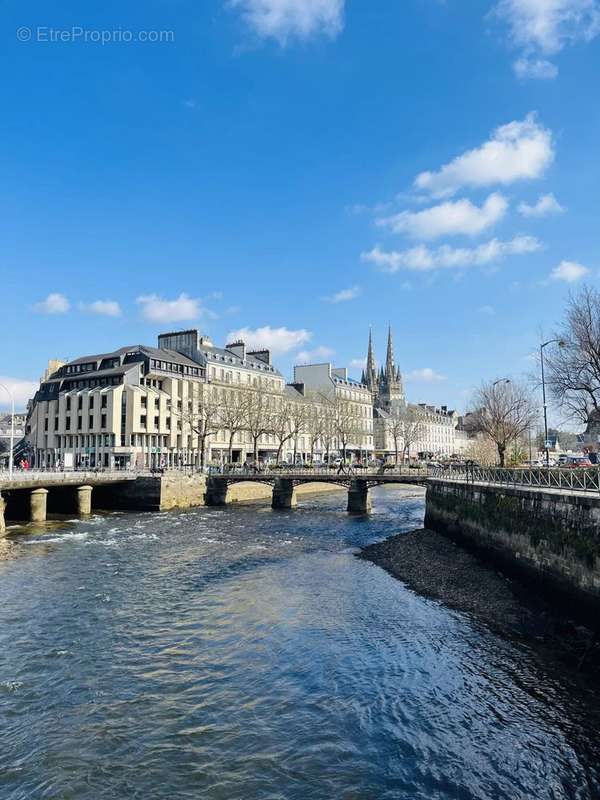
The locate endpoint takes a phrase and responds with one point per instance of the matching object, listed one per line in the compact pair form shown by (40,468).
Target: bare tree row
(330,423)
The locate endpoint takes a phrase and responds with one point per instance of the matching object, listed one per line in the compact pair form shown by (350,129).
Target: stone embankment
(550,538)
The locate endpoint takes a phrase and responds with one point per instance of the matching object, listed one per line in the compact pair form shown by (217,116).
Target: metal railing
(572,480)
(55,476)
(320,470)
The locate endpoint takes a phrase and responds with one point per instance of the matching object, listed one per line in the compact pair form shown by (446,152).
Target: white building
(187,402)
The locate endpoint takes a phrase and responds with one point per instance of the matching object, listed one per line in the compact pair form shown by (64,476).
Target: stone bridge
(26,493)
(284,484)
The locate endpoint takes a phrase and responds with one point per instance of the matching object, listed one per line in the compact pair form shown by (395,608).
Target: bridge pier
(216,492)
(84,500)
(284,494)
(37,505)
(359,501)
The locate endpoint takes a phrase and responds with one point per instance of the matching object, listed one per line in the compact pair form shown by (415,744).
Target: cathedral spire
(370,356)
(370,372)
(390,372)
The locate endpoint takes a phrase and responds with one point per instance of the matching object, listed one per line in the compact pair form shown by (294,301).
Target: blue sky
(299,170)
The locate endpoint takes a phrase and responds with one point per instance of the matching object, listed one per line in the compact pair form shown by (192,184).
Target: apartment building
(187,403)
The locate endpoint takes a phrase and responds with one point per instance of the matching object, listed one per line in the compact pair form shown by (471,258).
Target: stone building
(188,402)
(349,404)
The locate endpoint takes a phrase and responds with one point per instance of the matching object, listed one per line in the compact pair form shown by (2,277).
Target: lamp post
(12,428)
(560,343)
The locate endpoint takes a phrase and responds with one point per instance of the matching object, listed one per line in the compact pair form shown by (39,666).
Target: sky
(294,171)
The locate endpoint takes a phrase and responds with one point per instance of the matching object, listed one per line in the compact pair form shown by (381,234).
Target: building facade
(187,403)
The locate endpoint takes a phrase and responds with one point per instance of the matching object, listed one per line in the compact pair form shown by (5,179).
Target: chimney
(237,348)
(261,355)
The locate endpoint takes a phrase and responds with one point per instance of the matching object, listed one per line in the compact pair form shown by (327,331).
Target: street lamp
(501,380)
(560,343)
(12,428)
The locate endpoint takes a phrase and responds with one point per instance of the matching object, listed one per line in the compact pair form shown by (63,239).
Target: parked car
(577,462)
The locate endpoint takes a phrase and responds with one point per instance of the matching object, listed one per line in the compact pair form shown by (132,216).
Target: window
(144,402)
(46,424)
(157,422)
(68,424)
(91,421)
(79,403)
(91,403)
(79,422)
(104,402)
(143,421)
(68,403)
(103,421)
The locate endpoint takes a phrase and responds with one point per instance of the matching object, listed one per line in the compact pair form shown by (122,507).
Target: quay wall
(152,493)
(551,538)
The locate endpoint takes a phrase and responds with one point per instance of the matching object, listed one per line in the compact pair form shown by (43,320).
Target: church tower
(369,376)
(391,390)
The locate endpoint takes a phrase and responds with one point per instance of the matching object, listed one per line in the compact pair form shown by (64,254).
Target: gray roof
(143,350)
(219,355)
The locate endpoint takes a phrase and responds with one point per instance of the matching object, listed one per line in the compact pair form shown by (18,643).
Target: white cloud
(449,218)
(425,375)
(546,204)
(317,354)
(539,69)
(358,363)
(548,25)
(344,295)
(520,150)
(569,271)
(157,309)
(108,308)
(292,19)
(425,259)
(55,303)
(22,390)
(278,340)
(489,311)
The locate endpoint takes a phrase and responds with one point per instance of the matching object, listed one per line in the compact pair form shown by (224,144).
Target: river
(247,654)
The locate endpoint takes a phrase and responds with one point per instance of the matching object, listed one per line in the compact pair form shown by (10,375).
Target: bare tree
(280,424)
(405,426)
(502,410)
(413,420)
(232,412)
(573,368)
(345,424)
(203,420)
(316,423)
(298,421)
(257,417)
(328,432)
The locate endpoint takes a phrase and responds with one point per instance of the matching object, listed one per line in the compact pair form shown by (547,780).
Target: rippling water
(244,653)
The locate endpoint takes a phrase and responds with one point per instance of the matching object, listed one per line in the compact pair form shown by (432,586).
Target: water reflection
(242,653)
